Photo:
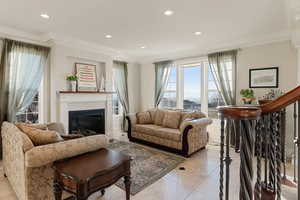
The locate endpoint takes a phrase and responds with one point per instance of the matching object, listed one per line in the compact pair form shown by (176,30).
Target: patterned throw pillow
(39,136)
(159,117)
(144,118)
(152,114)
(172,119)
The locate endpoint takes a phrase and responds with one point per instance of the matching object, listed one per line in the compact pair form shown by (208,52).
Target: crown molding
(263,39)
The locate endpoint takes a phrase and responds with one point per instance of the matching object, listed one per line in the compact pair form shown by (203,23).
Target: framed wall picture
(264,77)
(87,77)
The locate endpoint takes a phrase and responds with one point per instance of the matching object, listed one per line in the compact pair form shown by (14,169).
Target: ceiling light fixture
(198,33)
(143,47)
(108,36)
(168,12)
(45,16)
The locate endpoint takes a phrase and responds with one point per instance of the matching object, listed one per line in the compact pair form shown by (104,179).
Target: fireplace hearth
(87,122)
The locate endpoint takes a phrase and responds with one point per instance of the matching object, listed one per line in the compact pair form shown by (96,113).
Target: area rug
(148,165)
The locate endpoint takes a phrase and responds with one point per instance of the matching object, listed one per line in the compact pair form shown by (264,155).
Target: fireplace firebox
(87,122)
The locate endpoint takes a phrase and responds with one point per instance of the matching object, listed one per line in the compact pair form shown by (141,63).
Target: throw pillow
(152,114)
(38,126)
(39,136)
(144,118)
(159,117)
(172,119)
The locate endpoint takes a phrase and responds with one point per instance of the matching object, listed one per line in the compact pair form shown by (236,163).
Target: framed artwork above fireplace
(87,77)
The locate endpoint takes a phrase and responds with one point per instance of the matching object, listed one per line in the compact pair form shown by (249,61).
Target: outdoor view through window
(193,88)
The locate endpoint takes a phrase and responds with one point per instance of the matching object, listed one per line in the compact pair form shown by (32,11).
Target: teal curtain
(4,80)
(162,74)
(223,66)
(25,64)
(121,86)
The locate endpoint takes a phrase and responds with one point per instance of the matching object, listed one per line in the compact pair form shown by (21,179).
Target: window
(30,114)
(192,87)
(170,95)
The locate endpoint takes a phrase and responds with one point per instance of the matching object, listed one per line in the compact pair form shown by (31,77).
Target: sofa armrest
(196,123)
(45,154)
(131,117)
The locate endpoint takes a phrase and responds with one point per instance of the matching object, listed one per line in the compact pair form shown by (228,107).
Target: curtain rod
(197,56)
(25,40)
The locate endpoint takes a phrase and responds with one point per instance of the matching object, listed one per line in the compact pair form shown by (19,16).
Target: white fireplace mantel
(85,101)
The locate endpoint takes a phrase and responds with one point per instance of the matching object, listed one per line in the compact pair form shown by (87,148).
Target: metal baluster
(283,138)
(227,160)
(246,168)
(258,152)
(295,136)
(266,129)
(272,157)
(276,125)
(221,158)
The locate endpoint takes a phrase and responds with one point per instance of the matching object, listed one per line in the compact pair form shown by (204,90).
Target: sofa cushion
(144,118)
(39,136)
(158,131)
(169,133)
(146,128)
(172,119)
(159,117)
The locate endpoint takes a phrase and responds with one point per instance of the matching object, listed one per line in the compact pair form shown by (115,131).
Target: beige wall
(282,55)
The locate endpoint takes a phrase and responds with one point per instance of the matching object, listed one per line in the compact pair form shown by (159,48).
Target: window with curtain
(192,75)
(24,65)
(31,114)
(169,99)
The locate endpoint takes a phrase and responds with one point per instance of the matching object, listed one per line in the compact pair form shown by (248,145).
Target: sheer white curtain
(162,74)
(121,85)
(26,64)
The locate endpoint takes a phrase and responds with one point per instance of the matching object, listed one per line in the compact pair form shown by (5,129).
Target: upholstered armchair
(28,168)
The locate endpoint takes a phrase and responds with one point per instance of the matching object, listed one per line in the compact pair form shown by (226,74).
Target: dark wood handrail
(240,112)
(282,101)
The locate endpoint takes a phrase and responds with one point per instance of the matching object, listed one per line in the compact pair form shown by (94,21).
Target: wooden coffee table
(91,172)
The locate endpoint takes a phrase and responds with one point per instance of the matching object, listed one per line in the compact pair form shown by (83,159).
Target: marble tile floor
(199,181)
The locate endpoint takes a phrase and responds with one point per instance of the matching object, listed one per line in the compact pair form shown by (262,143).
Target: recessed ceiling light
(45,16)
(168,12)
(143,47)
(198,33)
(108,36)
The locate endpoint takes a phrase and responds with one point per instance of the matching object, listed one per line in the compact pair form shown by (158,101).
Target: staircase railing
(262,135)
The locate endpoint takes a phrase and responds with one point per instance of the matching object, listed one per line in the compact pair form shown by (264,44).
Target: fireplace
(87,122)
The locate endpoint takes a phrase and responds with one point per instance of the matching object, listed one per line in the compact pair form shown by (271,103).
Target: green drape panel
(4,80)
(162,74)
(25,64)
(225,79)
(121,85)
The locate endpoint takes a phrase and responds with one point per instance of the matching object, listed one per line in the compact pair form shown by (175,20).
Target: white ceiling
(136,23)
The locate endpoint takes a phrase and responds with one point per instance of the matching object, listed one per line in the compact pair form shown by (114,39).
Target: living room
(169,97)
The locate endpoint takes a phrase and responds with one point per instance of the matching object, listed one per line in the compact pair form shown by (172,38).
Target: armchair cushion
(172,119)
(39,136)
(46,154)
(144,118)
(56,126)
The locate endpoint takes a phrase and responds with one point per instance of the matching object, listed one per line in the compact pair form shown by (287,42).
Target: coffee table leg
(57,191)
(127,186)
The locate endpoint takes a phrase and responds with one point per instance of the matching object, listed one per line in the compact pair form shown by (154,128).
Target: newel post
(247,116)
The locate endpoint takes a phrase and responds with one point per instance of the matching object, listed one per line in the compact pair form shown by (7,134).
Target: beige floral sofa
(178,131)
(28,167)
